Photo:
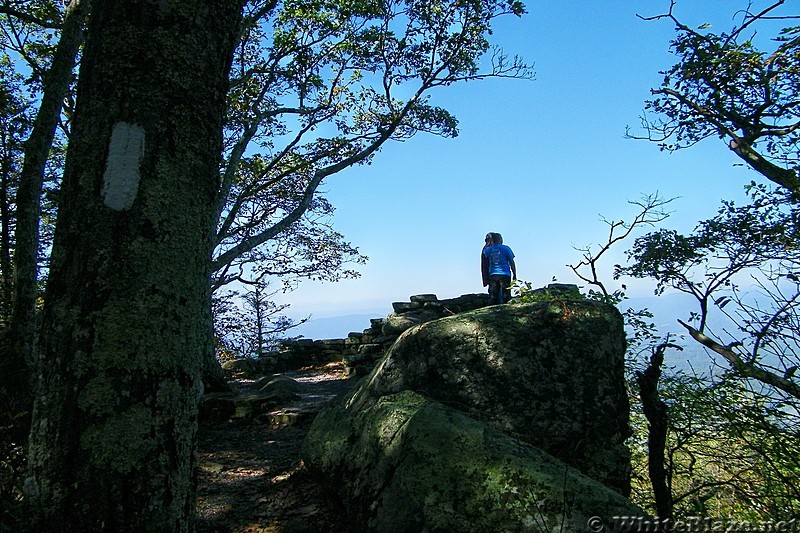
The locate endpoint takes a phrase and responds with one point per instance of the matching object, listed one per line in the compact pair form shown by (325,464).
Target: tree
(127,321)
(334,82)
(14,128)
(756,244)
(55,84)
(741,265)
(643,338)
(725,86)
(126,316)
(14,124)
(25,178)
(721,444)
(249,324)
(318,87)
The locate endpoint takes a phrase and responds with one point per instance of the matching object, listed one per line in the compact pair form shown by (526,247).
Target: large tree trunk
(124,325)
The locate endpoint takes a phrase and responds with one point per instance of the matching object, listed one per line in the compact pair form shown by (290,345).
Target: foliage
(732,448)
(741,266)
(13,464)
(28,33)
(14,128)
(737,86)
(730,452)
(731,445)
(524,292)
(319,87)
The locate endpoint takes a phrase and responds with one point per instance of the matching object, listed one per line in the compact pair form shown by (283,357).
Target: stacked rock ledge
(360,350)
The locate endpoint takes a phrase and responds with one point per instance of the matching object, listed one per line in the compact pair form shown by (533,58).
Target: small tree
(754,244)
(644,378)
(55,80)
(740,267)
(714,445)
(249,324)
(14,376)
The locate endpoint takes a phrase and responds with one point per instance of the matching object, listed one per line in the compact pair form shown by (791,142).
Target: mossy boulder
(549,373)
(406,463)
(506,418)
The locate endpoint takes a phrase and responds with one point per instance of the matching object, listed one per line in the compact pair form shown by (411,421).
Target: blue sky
(538,161)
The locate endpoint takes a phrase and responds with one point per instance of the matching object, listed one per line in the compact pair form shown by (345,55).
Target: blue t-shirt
(499,256)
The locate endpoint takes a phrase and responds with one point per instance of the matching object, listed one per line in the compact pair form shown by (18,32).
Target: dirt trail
(250,477)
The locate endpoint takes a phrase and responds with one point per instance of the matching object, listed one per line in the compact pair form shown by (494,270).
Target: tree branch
(744,369)
(29,19)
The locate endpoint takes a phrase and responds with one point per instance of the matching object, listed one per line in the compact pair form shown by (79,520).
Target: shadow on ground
(250,476)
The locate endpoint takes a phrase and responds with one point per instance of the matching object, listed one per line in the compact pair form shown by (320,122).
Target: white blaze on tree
(126,317)
(121,177)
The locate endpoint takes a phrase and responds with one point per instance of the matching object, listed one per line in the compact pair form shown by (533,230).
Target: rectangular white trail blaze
(121,178)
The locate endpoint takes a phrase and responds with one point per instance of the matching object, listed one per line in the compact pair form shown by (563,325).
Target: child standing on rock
(498,268)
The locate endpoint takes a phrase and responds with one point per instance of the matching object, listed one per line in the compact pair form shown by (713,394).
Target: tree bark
(29,193)
(125,322)
(6,249)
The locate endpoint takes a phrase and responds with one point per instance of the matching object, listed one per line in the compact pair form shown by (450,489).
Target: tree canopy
(320,86)
(741,268)
(737,85)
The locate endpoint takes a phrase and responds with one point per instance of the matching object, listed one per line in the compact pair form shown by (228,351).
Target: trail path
(250,476)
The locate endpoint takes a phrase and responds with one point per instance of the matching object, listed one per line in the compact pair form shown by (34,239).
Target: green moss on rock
(406,463)
(548,373)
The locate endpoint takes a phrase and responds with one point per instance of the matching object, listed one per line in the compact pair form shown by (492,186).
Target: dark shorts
(499,289)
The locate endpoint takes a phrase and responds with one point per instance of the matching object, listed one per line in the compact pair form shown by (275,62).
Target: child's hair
(496,238)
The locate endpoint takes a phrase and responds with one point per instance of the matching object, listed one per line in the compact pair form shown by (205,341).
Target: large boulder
(407,464)
(507,418)
(549,373)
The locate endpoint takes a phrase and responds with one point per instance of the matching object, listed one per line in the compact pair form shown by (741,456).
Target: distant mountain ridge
(334,327)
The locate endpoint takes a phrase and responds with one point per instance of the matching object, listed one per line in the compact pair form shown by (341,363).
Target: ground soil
(250,475)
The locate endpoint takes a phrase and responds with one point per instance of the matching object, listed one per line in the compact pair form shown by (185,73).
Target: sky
(542,162)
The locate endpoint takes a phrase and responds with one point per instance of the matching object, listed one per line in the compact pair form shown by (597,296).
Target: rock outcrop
(408,464)
(515,415)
